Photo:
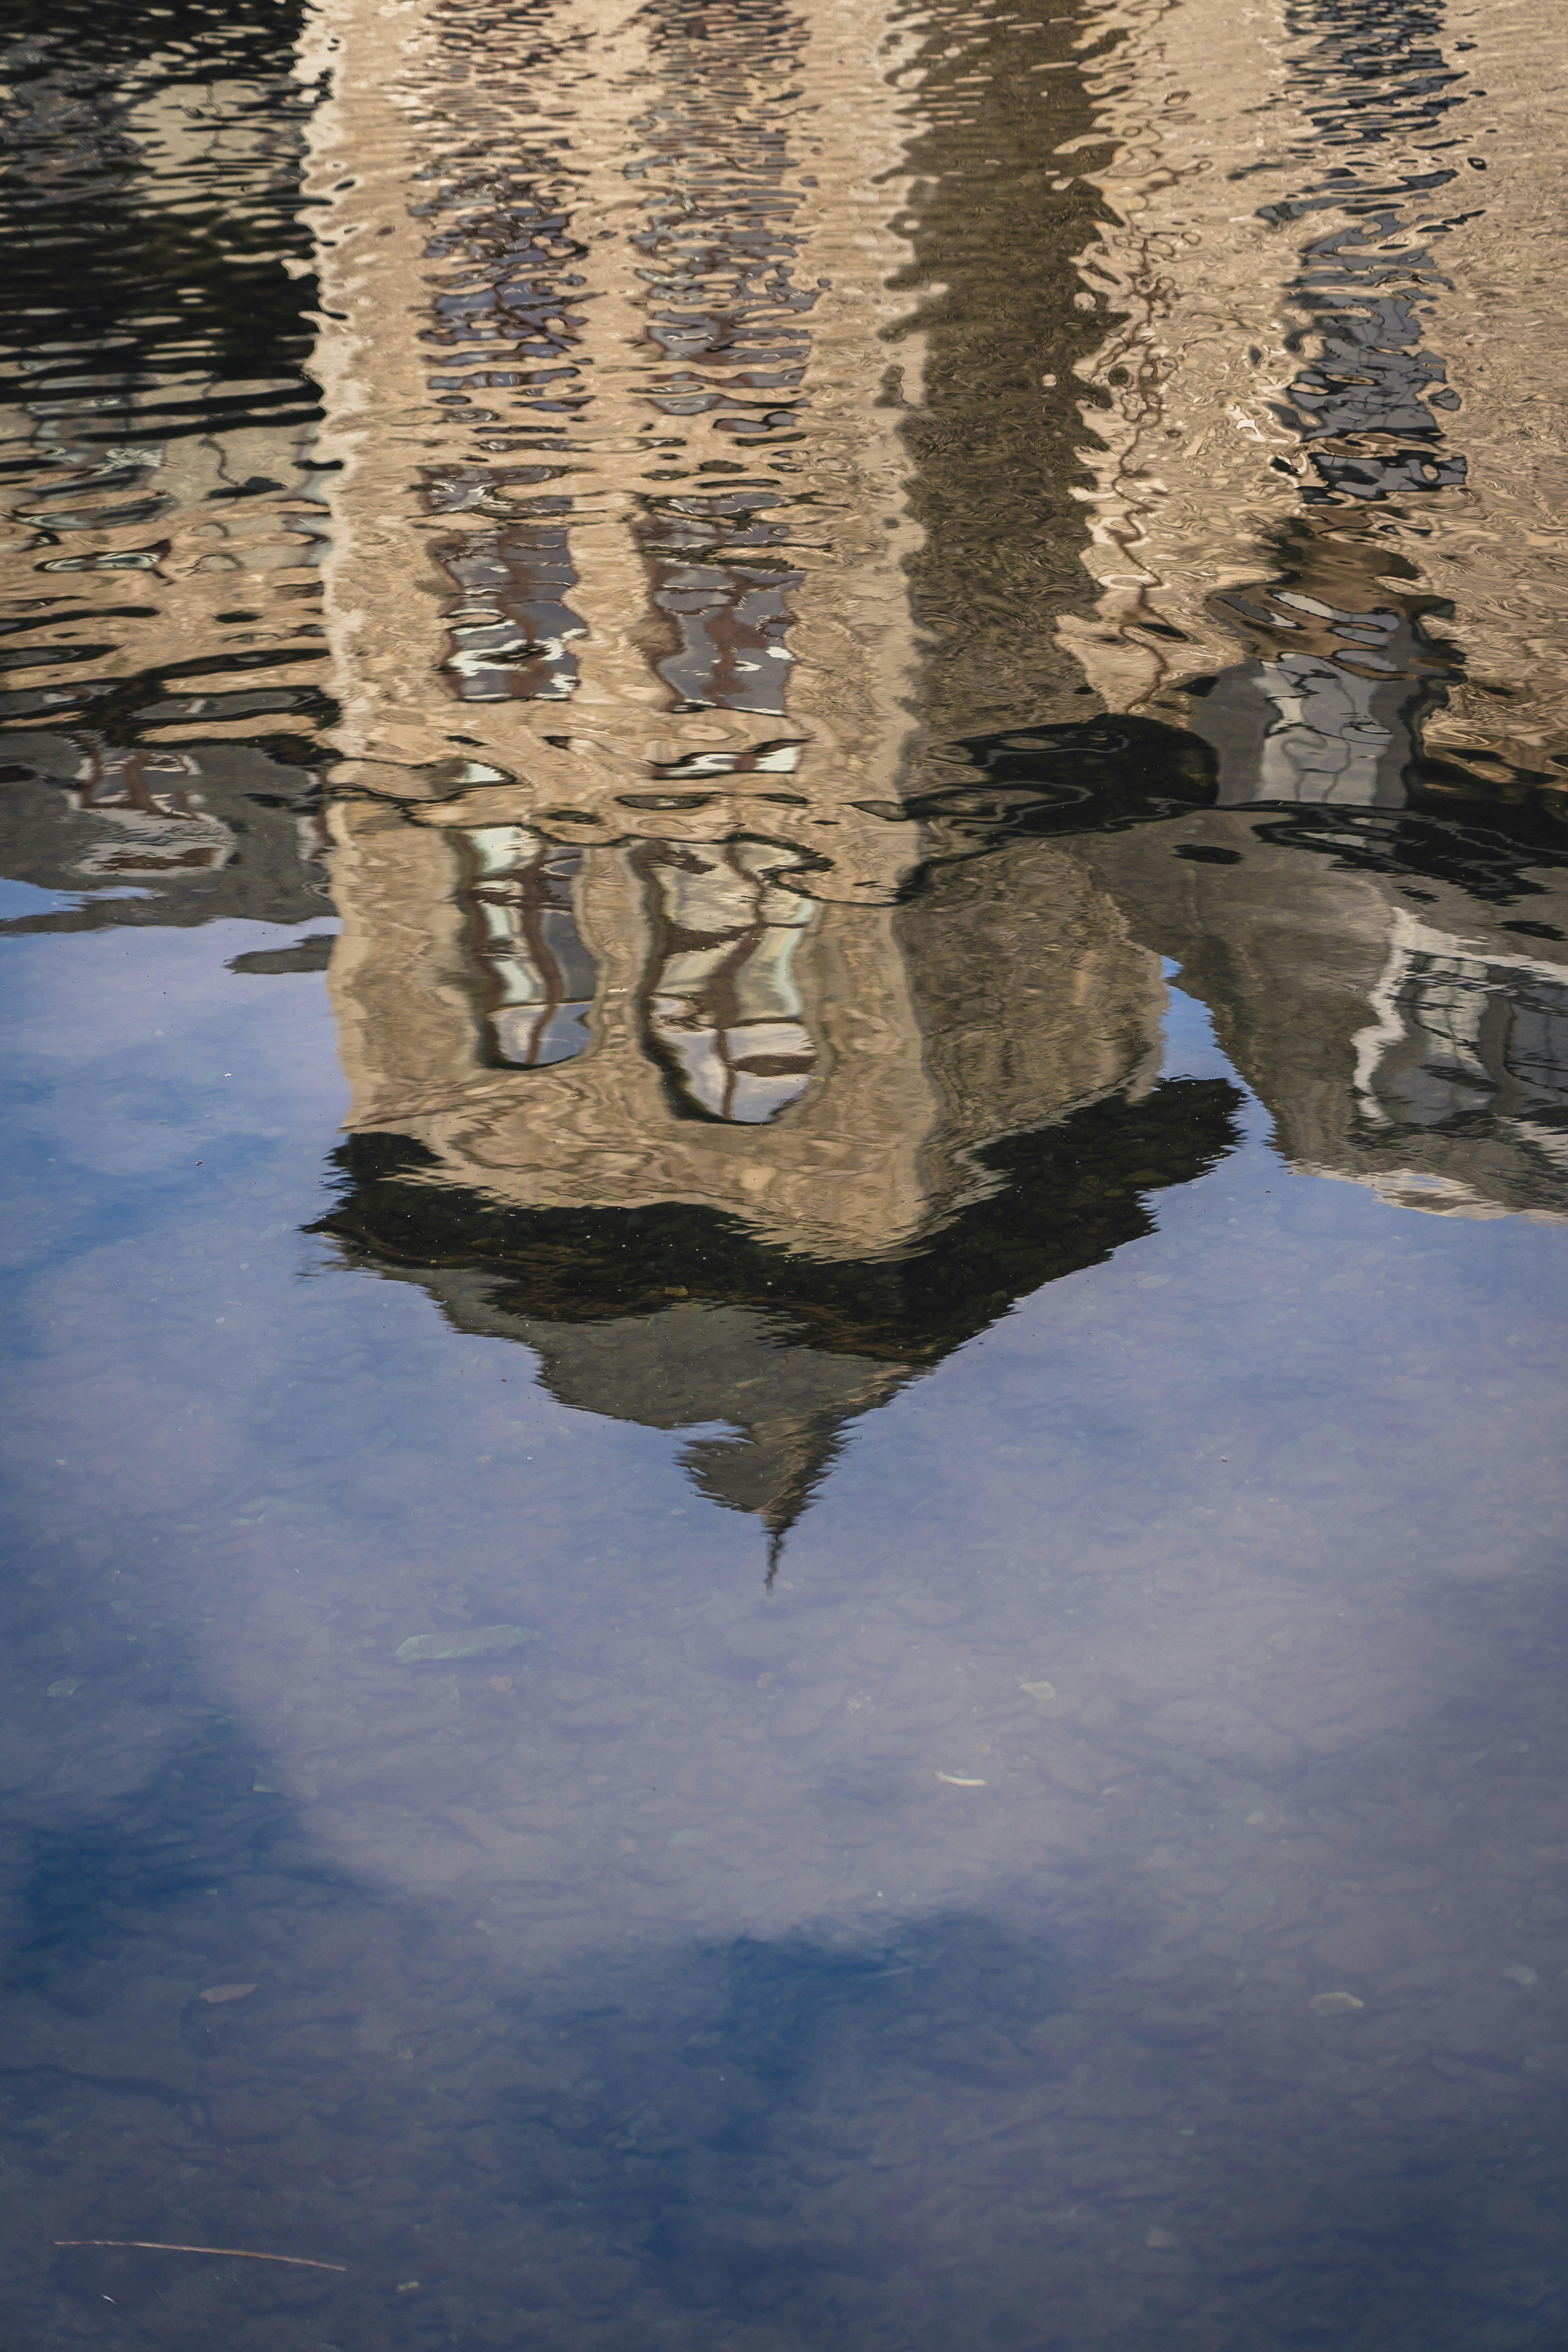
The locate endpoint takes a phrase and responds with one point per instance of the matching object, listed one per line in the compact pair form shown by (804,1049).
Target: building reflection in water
(163,651)
(1305,481)
(776,753)
(783,722)
(620,515)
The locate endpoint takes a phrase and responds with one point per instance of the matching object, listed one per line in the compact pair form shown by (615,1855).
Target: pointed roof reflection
(683,1316)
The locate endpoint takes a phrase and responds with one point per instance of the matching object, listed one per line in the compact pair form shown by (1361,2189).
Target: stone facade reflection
(1305,379)
(607,413)
(1403,1027)
(801,1176)
(840,1114)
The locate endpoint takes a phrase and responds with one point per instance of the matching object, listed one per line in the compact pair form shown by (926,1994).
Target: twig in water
(236,2254)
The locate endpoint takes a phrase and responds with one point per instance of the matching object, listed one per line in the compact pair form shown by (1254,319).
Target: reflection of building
(163,524)
(652,1065)
(828,1072)
(1464,1069)
(175,837)
(679,1315)
(781,1403)
(621,523)
(653,1069)
(1300,381)
(998,479)
(1405,1026)
(1298,462)
(1329,710)
(162,649)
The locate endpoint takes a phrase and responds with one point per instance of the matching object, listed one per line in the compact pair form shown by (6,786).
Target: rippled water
(837,741)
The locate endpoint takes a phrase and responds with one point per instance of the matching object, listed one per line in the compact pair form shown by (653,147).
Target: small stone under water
(470,1641)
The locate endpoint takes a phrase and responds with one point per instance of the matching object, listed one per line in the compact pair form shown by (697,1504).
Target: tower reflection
(804,1151)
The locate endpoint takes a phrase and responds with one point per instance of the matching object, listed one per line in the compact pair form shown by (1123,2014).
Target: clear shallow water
(830,1579)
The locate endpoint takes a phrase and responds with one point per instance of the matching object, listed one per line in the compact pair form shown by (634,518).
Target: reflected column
(648,255)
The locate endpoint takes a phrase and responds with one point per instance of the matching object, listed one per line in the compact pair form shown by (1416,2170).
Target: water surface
(836,742)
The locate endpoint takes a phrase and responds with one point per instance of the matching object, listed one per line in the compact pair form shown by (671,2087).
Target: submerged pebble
(470,1642)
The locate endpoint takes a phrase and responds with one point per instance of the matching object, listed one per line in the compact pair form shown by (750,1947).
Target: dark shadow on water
(787,1349)
(1111,772)
(1065,1196)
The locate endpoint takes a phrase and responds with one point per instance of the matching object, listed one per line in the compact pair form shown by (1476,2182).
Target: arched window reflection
(724,598)
(723,1008)
(1330,712)
(538,975)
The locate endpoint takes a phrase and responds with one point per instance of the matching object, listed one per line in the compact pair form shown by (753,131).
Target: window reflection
(1456,1037)
(1330,713)
(513,630)
(723,1008)
(162,823)
(538,974)
(727,607)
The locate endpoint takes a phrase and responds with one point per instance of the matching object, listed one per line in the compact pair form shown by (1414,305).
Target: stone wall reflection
(621,519)
(1405,1027)
(1309,375)
(1313,439)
